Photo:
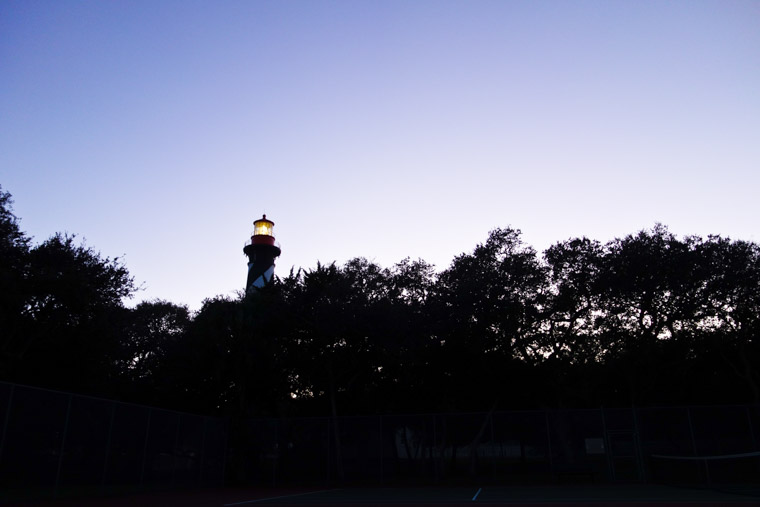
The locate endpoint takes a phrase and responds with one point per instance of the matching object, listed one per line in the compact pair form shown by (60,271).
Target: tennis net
(718,471)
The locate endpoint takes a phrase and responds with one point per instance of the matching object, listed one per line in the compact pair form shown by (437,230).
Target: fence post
(493,447)
(62,448)
(549,439)
(226,450)
(108,447)
(436,460)
(145,448)
(637,443)
(327,468)
(751,429)
(5,423)
(691,432)
(382,468)
(607,447)
(694,445)
(202,463)
(175,450)
(276,452)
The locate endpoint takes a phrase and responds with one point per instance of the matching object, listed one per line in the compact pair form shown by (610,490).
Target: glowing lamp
(263,232)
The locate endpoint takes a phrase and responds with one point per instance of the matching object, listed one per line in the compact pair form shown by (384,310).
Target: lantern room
(263,232)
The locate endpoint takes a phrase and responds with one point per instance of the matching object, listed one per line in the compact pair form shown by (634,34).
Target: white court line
(476,494)
(278,497)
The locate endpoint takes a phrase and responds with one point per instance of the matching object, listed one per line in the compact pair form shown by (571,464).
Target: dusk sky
(159,130)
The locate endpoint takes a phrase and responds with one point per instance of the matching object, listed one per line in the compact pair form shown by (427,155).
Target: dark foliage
(644,319)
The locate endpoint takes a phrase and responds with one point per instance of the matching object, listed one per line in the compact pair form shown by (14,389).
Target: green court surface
(513,496)
(630,495)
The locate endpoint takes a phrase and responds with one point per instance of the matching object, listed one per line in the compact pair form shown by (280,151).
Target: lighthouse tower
(261,252)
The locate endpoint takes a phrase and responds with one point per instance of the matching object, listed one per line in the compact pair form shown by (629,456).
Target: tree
(74,294)
(651,297)
(14,269)
(568,344)
(150,334)
(405,337)
(730,324)
(488,318)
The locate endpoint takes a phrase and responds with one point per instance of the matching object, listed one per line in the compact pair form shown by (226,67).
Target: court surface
(636,495)
(511,496)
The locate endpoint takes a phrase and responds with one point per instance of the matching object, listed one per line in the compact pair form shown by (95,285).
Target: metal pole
(7,418)
(751,429)
(174,451)
(203,450)
(694,445)
(549,439)
(276,452)
(691,432)
(327,469)
(607,446)
(436,462)
(382,476)
(145,448)
(639,454)
(226,450)
(61,449)
(108,447)
(493,446)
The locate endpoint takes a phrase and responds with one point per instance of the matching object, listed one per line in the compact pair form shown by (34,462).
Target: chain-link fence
(60,443)
(600,445)
(55,443)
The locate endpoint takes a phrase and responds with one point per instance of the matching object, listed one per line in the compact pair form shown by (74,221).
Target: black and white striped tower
(261,252)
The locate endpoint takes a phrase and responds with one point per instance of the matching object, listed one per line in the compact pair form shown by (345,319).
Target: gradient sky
(159,130)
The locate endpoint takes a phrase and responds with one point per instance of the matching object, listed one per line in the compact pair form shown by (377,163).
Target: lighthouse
(261,252)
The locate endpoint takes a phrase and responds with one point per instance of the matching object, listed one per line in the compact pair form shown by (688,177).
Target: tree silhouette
(74,294)
(150,333)
(731,321)
(648,318)
(14,291)
(488,303)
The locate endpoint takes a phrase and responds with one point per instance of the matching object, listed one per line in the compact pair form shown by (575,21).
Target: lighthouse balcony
(262,240)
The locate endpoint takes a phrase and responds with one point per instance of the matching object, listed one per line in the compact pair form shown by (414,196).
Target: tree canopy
(649,318)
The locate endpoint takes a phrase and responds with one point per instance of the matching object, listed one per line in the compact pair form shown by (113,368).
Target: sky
(158,130)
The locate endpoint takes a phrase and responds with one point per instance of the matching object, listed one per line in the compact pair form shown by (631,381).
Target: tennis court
(65,450)
(513,496)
